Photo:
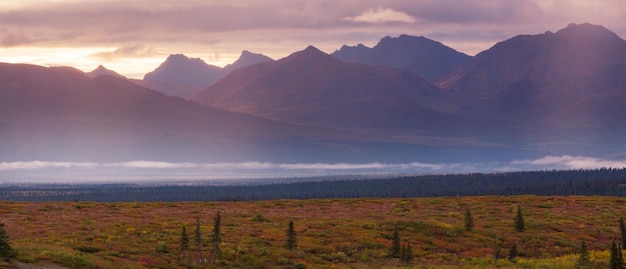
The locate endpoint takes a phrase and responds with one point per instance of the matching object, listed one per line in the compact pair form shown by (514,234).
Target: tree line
(604,182)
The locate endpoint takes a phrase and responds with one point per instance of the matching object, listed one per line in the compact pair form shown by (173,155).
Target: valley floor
(330,233)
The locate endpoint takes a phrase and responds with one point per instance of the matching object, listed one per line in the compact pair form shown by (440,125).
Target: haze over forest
(404,104)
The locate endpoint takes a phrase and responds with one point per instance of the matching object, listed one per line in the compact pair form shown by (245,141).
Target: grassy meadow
(331,233)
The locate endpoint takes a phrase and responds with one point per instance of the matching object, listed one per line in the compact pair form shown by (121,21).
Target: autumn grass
(331,233)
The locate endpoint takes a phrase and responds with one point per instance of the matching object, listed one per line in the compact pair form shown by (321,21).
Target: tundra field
(330,233)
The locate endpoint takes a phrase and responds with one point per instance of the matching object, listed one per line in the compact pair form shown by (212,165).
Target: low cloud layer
(156,170)
(572,162)
(242,166)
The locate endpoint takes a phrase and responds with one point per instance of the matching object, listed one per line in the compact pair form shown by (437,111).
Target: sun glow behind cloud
(382,15)
(133,37)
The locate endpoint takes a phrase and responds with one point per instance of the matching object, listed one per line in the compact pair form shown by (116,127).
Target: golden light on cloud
(51,56)
(382,15)
(134,37)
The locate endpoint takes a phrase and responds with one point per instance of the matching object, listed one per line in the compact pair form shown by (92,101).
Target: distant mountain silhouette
(182,76)
(192,73)
(103,71)
(427,58)
(311,87)
(245,59)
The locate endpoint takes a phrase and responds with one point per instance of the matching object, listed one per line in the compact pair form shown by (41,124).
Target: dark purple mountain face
(570,57)
(312,88)
(427,58)
(553,88)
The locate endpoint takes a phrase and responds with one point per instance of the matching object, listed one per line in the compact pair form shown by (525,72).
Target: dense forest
(604,182)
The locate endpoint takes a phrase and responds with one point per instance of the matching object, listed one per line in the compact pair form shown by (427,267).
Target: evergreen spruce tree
(6,251)
(184,239)
(395,243)
(513,253)
(184,242)
(198,239)
(622,229)
(408,256)
(403,253)
(291,236)
(217,236)
(583,258)
(469,220)
(620,258)
(614,262)
(519,220)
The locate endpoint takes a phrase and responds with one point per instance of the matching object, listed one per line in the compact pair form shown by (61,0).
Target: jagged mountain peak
(425,57)
(103,71)
(177,59)
(189,72)
(247,58)
(313,49)
(309,54)
(404,38)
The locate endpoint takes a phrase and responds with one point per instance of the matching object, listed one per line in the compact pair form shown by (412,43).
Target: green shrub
(71,259)
(162,247)
(86,249)
(259,218)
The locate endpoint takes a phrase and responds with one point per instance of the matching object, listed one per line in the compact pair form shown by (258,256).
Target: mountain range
(182,76)
(311,87)
(406,99)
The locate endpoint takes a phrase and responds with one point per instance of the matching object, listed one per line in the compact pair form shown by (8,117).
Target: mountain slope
(61,114)
(569,58)
(565,88)
(310,87)
(427,58)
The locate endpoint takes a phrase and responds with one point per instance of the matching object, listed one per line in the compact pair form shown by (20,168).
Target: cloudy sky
(134,37)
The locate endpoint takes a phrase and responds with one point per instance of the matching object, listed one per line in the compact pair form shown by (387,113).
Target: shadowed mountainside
(311,87)
(427,58)
(62,114)
(563,87)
